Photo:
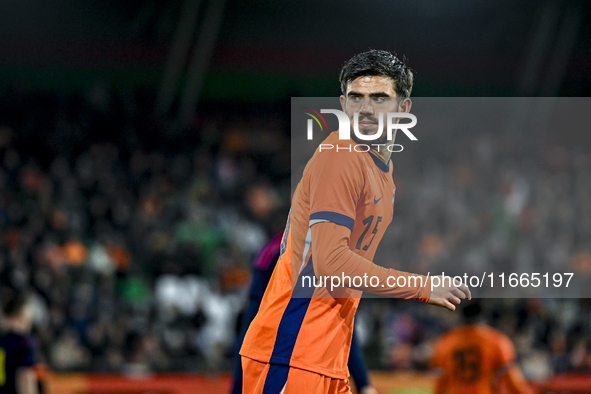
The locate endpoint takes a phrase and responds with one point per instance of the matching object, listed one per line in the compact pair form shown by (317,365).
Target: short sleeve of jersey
(437,355)
(506,350)
(335,186)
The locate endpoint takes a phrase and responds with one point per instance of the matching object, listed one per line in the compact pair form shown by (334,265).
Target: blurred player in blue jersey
(17,355)
(264,264)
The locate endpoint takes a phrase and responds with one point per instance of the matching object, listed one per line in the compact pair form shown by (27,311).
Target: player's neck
(16,325)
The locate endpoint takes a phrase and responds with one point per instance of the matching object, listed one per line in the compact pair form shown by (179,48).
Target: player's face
(370,96)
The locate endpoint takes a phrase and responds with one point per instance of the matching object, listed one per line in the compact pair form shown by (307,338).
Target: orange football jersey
(345,197)
(472,357)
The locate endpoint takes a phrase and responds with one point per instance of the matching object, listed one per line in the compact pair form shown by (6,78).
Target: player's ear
(405,105)
(342,99)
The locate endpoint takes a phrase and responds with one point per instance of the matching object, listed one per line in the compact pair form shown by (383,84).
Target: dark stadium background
(136,185)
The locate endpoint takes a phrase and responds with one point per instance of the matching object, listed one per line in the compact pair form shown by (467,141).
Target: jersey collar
(379,163)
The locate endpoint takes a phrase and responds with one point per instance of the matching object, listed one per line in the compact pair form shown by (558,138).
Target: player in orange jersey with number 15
(476,358)
(299,340)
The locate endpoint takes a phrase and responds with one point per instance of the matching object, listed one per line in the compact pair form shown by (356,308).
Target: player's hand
(447,295)
(369,390)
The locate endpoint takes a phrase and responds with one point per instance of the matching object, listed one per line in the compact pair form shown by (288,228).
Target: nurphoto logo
(345,128)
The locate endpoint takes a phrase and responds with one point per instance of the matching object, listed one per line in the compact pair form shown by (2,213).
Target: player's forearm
(27,381)
(332,257)
(390,282)
(515,382)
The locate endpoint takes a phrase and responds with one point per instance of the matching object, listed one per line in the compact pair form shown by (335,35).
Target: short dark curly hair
(13,303)
(378,62)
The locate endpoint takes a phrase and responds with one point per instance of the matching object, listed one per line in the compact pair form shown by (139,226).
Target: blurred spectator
(68,352)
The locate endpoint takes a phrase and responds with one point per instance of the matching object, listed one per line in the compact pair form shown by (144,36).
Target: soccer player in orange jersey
(300,338)
(476,358)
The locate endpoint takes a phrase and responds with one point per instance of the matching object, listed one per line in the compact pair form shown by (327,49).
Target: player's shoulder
(459,334)
(489,331)
(448,339)
(10,335)
(494,338)
(500,344)
(15,339)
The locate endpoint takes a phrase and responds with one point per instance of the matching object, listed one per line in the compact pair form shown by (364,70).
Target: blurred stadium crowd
(135,252)
(136,239)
